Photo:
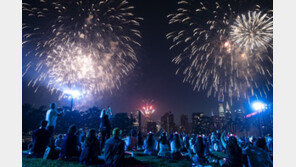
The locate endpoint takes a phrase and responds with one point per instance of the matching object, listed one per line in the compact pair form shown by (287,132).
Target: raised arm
(102,113)
(109,112)
(222,138)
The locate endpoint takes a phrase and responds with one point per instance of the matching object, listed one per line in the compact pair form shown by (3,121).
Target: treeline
(31,118)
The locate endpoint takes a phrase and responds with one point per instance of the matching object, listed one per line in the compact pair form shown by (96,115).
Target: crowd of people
(226,149)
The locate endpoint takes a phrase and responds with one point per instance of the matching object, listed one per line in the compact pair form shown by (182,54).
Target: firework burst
(223,47)
(252,31)
(87,45)
(147,109)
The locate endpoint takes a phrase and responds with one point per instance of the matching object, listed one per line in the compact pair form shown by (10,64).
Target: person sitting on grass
(140,142)
(91,148)
(199,151)
(192,142)
(186,142)
(58,142)
(233,151)
(176,147)
(258,155)
(70,145)
(131,141)
(114,149)
(164,146)
(40,140)
(81,135)
(150,145)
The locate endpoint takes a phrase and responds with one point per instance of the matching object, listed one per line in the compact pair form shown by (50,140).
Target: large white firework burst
(252,31)
(216,50)
(79,44)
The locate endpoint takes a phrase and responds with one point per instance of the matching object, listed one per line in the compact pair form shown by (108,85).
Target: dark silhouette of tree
(123,121)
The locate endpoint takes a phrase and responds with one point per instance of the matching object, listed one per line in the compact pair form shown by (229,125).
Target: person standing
(105,125)
(51,117)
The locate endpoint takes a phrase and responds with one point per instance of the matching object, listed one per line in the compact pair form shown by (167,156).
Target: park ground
(144,160)
(147,160)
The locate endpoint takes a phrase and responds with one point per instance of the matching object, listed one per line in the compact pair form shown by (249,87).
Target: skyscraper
(197,122)
(184,127)
(167,122)
(151,126)
(221,107)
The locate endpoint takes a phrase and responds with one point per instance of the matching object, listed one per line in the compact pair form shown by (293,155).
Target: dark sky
(154,76)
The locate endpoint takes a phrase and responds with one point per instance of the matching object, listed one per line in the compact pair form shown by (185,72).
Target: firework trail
(87,45)
(223,47)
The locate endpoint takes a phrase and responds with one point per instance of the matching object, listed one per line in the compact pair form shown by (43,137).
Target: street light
(73,94)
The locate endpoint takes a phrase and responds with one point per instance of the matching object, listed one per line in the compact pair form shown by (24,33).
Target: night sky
(154,76)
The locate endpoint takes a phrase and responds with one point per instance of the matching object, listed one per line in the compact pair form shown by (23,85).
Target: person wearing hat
(114,149)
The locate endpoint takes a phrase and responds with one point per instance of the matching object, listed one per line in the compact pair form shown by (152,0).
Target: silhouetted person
(90,149)
(114,150)
(233,152)
(51,117)
(150,145)
(199,150)
(164,146)
(58,142)
(186,142)
(258,155)
(140,141)
(40,139)
(70,145)
(81,135)
(176,147)
(131,141)
(105,126)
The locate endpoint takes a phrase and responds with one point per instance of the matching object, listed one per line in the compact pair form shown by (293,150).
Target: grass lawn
(153,161)
(148,160)
(37,162)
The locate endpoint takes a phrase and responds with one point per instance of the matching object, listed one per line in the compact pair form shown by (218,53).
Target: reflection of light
(243,55)
(72,93)
(258,106)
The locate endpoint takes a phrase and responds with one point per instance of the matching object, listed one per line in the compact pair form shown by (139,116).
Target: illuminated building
(167,122)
